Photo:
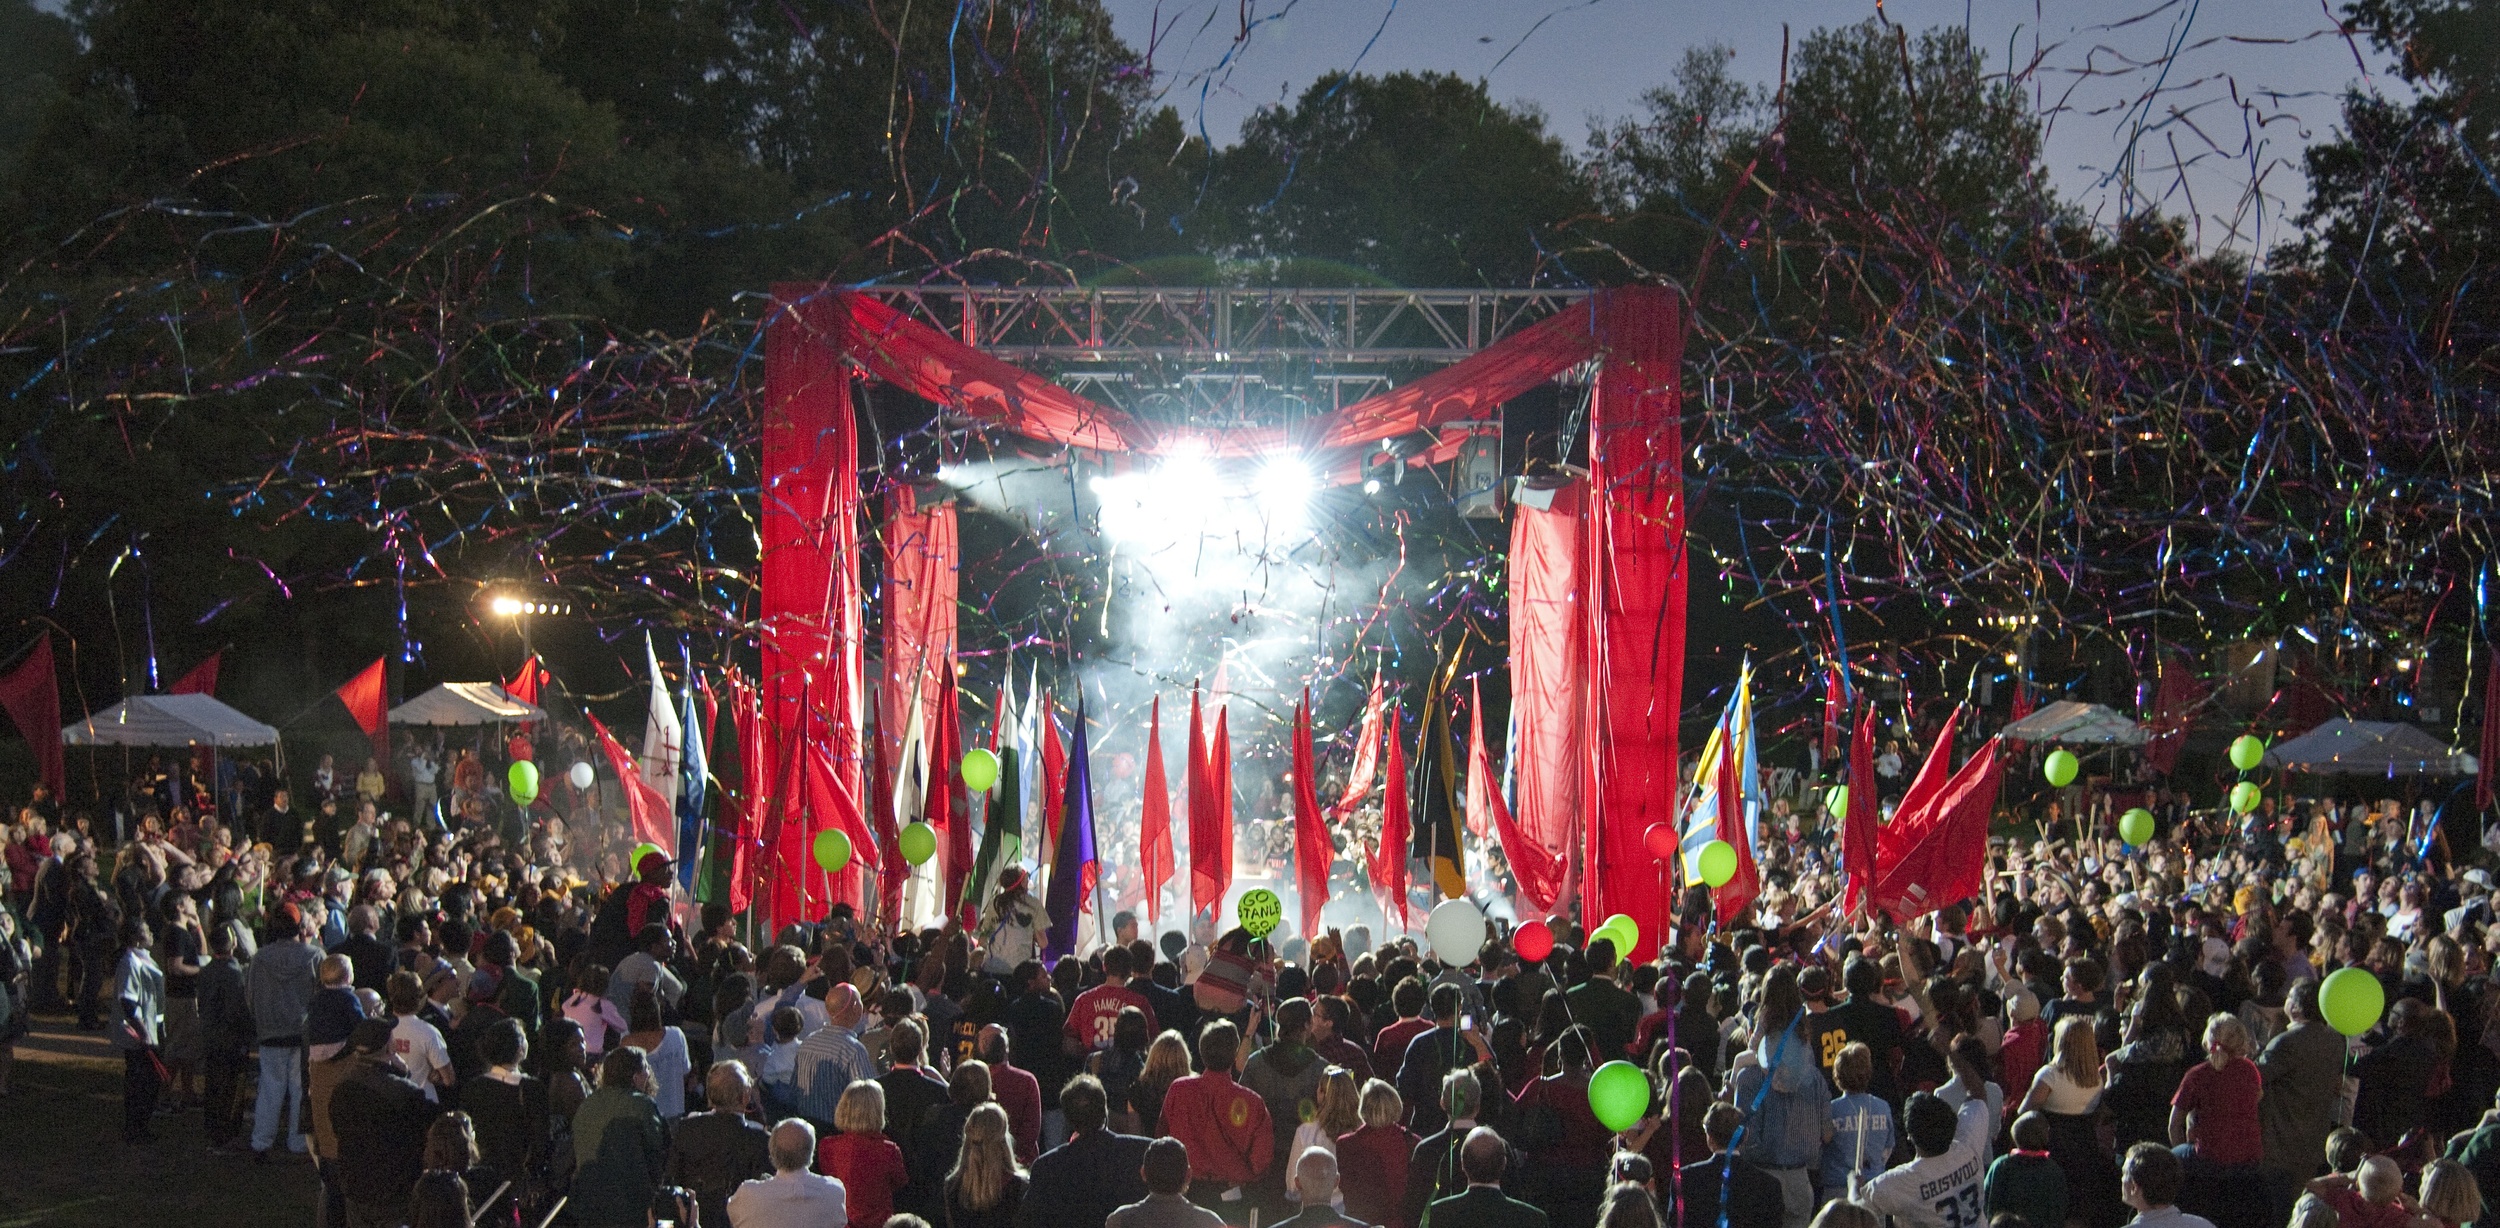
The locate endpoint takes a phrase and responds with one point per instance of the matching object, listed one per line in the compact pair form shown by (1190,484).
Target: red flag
(367,700)
(202,680)
(1388,860)
(1312,849)
(822,791)
(2022,700)
(31,693)
(1937,854)
(2491,738)
(1477,815)
(654,820)
(1858,826)
(1835,709)
(881,822)
(1734,897)
(1220,775)
(1155,839)
(747,836)
(949,809)
(1535,868)
(1931,778)
(1366,769)
(1206,868)
(1054,781)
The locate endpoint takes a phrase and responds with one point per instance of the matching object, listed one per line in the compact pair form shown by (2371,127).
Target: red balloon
(1534,941)
(1661,841)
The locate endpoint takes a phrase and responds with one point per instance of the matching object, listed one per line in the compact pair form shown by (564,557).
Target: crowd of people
(466,1023)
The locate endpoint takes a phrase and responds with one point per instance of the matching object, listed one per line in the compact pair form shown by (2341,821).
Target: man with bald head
(1484,1157)
(792,1197)
(1315,1174)
(831,1057)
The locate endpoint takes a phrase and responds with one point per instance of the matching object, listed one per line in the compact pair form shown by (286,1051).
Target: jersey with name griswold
(1938,1191)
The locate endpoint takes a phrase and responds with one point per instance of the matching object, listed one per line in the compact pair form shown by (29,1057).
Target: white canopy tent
(2370,748)
(170,720)
(465,703)
(2077,724)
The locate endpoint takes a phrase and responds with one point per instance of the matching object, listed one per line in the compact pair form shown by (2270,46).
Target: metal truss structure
(1223,354)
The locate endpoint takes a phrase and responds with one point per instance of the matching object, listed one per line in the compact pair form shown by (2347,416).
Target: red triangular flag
(1938,852)
(31,694)
(1388,859)
(1537,870)
(368,700)
(949,811)
(202,680)
(1220,773)
(1312,849)
(1858,830)
(654,820)
(1735,897)
(1206,867)
(1155,822)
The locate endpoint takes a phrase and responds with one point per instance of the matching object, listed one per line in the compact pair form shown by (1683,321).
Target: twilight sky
(2211,96)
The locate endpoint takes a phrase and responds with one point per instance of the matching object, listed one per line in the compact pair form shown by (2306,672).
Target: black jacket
(1482,1207)
(512,1128)
(1084,1180)
(712,1153)
(1754,1197)
(372,960)
(380,1117)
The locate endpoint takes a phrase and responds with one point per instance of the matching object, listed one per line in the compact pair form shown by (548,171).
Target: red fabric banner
(1220,779)
(1312,849)
(654,820)
(1388,859)
(921,560)
(202,680)
(1365,771)
(810,612)
(1635,566)
(367,698)
(1734,897)
(31,694)
(933,366)
(1858,830)
(2490,758)
(1206,870)
(1155,821)
(745,811)
(1937,854)
(1549,692)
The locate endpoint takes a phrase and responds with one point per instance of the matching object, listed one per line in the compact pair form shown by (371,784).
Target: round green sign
(1260,912)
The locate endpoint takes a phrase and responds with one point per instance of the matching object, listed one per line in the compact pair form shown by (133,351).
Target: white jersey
(1939,1191)
(419,1047)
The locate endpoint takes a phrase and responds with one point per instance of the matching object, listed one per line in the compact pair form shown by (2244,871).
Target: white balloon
(1457,932)
(581,776)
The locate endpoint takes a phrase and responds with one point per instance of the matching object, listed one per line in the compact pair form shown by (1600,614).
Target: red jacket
(1223,1124)
(870,1168)
(1018,1092)
(1372,1165)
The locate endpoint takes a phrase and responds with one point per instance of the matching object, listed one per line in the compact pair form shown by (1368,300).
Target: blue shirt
(829,1060)
(1850,1114)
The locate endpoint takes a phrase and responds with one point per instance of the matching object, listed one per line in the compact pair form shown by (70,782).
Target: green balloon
(980,770)
(2136,826)
(1837,801)
(2245,796)
(2351,999)
(1619,1095)
(833,850)
(1716,863)
(1260,911)
(2060,768)
(523,777)
(919,843)
(2247,752)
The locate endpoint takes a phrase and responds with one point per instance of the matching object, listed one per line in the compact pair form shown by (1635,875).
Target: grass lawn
(63,1165)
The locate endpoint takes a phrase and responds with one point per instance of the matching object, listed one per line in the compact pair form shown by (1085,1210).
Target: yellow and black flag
(1436,840)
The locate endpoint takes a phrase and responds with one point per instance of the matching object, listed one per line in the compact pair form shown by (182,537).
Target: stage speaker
(1476,477)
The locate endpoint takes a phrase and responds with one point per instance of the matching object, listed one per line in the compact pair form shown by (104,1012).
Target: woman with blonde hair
(1371,1161)
(1336,1109)
(987,1185)
(1166,1059)
(2450,1199)
(2067,1091)
(860,1156)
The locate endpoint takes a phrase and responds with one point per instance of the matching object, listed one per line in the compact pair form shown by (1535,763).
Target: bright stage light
(505,607)
(1188,496)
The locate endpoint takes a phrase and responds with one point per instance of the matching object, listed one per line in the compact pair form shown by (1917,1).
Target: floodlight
(1284,488)
(505,607)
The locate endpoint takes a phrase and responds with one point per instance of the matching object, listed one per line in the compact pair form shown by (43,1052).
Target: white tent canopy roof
(465,703)
(2079,724)
(169,720)
(2370,748)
